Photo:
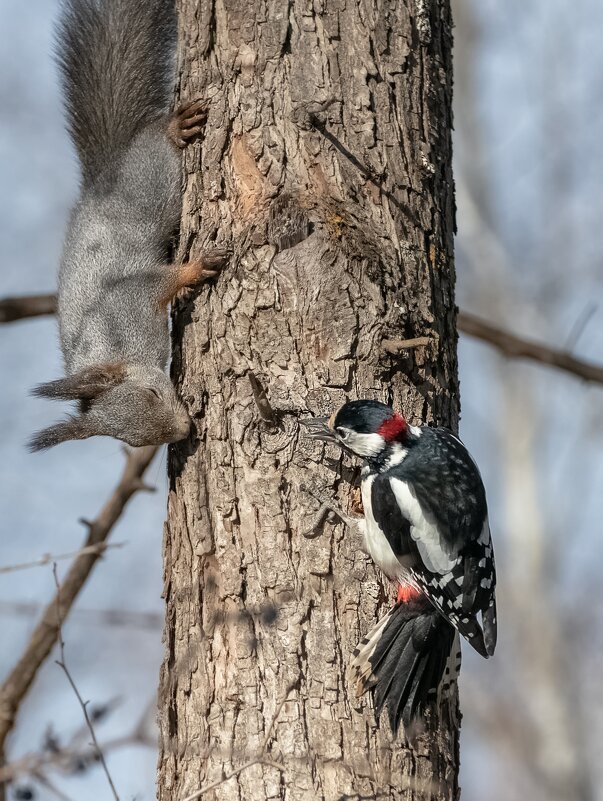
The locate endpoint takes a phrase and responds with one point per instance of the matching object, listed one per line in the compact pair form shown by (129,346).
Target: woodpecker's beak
(318,428)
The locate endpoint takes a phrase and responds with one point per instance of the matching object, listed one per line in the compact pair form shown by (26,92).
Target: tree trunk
(326,165)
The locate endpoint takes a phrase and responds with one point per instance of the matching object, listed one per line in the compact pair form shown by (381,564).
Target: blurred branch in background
(19,308)
(76,756)
(508,344)
(527,255)
(49,558)
(518,348)
(118,618)
(46,633)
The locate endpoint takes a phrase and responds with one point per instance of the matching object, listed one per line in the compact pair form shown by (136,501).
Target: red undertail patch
(406,593)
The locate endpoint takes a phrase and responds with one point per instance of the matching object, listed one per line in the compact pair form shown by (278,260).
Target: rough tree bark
(327,166)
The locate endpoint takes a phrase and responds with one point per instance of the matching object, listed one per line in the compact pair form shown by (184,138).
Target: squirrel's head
(134,403)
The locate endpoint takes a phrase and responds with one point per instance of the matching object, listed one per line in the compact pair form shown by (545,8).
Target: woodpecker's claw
(328,509)
(318,428)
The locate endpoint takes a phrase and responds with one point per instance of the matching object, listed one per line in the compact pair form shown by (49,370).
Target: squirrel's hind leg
(179,277)
(187,122)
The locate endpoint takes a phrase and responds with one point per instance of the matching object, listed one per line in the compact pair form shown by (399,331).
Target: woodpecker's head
(365,428)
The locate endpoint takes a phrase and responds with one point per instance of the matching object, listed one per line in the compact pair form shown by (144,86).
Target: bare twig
(48,558)
(395,346)
(19,308)
(260,759)
(579,326)
(516,347)
(45,634)
(84,704)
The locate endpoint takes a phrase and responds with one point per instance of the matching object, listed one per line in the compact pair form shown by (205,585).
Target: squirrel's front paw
(188,275)
(187,122)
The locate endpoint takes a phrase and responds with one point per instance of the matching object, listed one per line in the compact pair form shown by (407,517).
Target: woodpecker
(426,526)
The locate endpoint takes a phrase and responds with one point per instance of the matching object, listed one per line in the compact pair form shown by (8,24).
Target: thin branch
(519,348)
(260,759)
(394,346)
(45,635)
(19,308)
(84,704)
(579,326)
(48,558)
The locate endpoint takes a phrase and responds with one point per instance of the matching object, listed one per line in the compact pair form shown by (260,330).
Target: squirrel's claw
(187,122)
(183,278)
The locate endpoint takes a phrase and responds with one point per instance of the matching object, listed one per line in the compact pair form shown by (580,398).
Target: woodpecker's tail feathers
(482,638)
(361,668)
(466,623)
(117,63)
(410,659)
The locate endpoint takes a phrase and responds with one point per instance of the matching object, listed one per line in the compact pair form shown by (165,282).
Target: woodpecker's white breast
(375,540)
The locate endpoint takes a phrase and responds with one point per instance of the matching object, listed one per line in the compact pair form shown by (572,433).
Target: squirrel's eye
(154,392)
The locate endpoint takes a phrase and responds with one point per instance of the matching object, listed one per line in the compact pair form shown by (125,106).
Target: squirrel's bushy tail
(116,59)
(410,659)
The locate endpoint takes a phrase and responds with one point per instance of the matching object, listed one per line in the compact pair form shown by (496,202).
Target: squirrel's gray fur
(116,59)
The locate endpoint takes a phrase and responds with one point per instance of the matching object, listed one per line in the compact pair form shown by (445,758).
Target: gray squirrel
(116,59)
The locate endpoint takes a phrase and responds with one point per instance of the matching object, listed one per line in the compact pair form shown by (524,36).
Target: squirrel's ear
(74,428)
(86,384)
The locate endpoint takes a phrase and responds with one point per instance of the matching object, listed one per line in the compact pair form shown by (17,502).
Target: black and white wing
(439,490)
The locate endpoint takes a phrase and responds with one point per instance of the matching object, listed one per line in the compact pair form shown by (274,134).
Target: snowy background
(529,123)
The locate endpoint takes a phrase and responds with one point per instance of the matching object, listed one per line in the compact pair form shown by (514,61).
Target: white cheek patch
(365,445)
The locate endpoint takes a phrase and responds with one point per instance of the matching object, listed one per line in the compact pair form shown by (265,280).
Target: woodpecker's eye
(342,433)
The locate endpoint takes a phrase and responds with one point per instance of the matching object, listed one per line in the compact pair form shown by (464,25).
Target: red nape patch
(406,593)
(393,428)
